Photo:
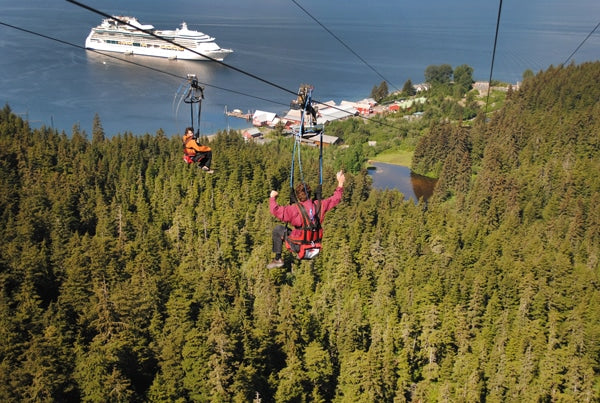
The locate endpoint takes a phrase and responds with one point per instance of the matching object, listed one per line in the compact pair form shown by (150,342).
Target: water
(59,85)
(411,185)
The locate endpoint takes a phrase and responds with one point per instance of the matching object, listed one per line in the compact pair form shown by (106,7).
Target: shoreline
(370,161)
(395,157)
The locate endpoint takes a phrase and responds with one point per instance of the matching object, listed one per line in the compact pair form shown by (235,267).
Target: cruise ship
(114,36)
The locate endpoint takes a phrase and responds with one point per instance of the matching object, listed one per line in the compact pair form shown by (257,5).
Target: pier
(237,113)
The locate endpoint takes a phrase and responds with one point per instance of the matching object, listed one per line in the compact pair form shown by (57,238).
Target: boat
(113,35)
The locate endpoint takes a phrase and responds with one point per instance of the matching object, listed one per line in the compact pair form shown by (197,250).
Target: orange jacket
(191,147)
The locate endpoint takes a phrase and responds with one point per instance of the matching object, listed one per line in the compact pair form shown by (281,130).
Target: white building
(263,118)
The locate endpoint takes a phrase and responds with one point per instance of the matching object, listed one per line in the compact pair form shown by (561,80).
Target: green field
(397,157)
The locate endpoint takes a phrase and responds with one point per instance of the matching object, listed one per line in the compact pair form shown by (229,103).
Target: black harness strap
(195,95)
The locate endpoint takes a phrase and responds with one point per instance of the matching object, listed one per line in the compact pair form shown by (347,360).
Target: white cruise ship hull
(111,36)
(180,53)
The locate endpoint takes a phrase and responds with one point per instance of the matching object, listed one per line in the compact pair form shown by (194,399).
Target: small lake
(401,178)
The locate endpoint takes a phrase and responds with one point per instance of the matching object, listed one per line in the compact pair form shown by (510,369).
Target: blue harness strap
(309,245)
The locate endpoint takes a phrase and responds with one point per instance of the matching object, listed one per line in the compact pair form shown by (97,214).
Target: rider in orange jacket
(198,153)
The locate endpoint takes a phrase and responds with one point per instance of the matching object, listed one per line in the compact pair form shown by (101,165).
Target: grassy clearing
(397,157)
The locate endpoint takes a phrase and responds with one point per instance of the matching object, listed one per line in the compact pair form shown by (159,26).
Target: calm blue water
(58,85)
(411,185)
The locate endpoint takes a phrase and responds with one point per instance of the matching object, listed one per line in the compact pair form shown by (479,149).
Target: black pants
(279,234)
(203,159)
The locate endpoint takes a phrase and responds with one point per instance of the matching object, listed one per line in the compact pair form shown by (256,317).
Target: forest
(129,276)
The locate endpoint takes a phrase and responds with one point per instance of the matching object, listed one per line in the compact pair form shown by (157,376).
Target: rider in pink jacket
(291,214)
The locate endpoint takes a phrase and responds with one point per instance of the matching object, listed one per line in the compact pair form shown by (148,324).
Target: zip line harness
(193,95)
(309,244)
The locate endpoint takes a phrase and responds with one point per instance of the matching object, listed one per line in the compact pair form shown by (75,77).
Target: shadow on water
(422,186)
(411,185)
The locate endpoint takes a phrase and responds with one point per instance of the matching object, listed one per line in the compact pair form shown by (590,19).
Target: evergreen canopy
(129,276)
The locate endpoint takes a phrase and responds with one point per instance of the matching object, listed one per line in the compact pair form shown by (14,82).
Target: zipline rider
(306,216)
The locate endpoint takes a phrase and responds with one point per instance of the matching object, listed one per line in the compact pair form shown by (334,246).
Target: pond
(411,185)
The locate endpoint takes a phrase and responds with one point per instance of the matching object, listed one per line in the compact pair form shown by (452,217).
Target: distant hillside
(129,276)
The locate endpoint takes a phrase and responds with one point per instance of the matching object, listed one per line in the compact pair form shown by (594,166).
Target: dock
(237,113)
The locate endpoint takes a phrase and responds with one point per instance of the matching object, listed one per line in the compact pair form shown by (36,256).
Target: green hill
(129,276)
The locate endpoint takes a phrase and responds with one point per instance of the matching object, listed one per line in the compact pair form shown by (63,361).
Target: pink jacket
(291,214)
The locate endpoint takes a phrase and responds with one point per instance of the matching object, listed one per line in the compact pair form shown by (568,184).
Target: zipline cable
(344,44)
(493,56)
(581,44)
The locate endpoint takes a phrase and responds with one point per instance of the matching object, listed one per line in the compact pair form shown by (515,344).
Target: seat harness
(309,244)
(193,96)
